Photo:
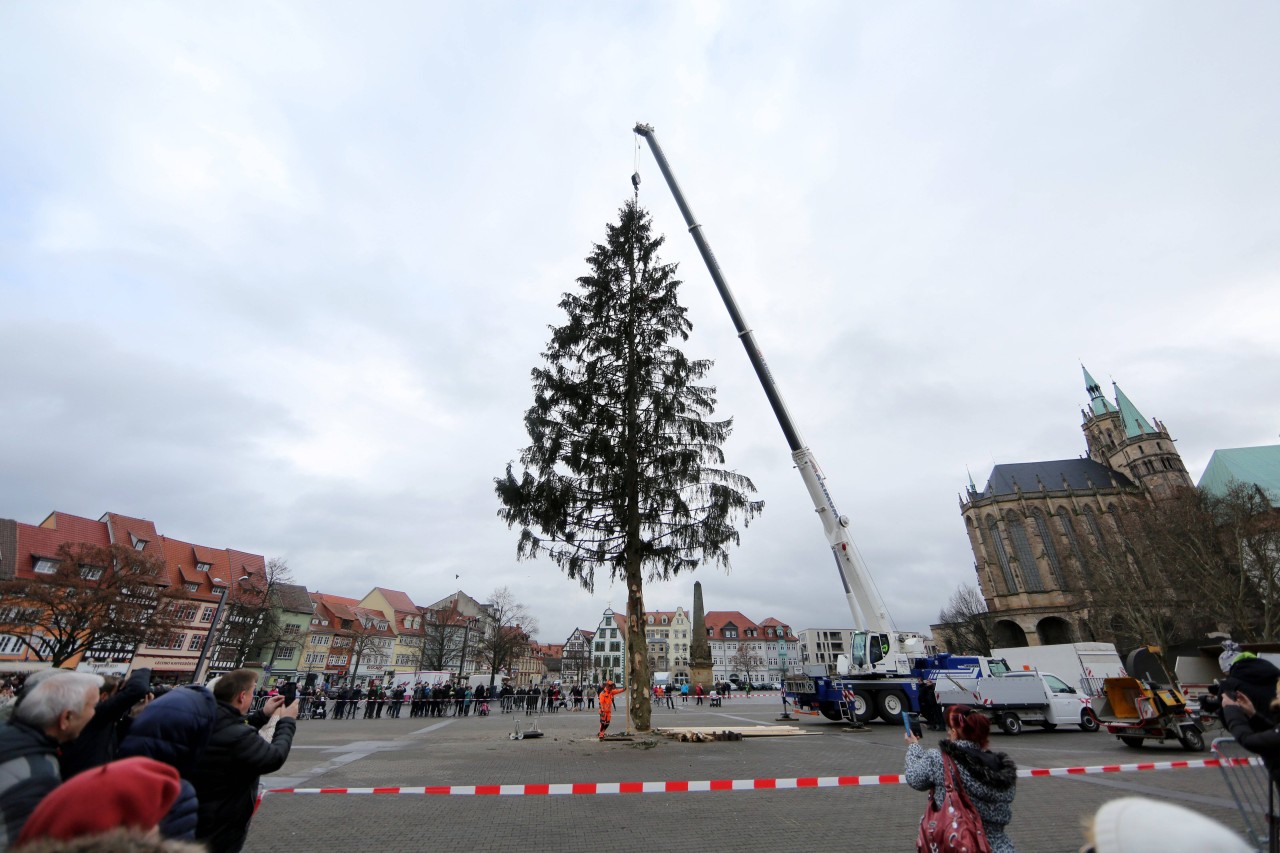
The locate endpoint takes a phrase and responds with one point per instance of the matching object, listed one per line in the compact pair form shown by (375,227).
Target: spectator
(1252,729)
(1135,823)
(175,729)
(989,778)
(100,740)
(50,713)
(226,777)
(134,793)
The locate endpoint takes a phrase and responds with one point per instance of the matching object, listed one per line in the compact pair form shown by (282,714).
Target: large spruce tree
(623,470)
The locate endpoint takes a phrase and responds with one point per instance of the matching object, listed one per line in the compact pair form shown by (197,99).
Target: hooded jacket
(1255,678)
(174,728)
(989,778)
(28,771)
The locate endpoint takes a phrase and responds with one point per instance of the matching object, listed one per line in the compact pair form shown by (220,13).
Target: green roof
(1257,465)
(1098,403)
(1134,423)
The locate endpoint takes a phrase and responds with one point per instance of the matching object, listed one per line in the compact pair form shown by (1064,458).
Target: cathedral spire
(1098,403)
(1134,423)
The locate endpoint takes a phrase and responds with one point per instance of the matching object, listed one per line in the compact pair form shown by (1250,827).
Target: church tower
(1119,437)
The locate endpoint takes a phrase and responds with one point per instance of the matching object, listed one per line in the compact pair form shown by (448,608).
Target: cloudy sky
(274,275)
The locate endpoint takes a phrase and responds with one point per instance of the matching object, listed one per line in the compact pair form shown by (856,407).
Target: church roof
(1134,423)
(1098,403)
(1082,474)
(1258,465)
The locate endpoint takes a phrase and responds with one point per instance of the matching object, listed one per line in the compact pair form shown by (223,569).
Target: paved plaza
(479,751)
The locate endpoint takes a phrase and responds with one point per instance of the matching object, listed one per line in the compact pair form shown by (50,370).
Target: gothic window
(1031,580)
(1091,521)
(1050,550)
(1069,531)
(997,545)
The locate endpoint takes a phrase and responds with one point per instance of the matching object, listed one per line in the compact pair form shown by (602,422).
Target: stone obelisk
(699,649)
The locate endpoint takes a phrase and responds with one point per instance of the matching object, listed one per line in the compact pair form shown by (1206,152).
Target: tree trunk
(637,650)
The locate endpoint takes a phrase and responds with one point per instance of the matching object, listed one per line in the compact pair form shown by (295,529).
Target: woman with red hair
(989,778)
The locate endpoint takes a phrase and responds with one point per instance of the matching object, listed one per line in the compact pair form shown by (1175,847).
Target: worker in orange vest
(607,692)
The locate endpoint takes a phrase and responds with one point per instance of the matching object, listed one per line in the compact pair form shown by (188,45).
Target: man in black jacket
(100,740)
(50,714)
(226,778)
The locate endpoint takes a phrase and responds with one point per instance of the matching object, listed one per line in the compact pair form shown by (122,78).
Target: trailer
(1082,665)
(1021,698)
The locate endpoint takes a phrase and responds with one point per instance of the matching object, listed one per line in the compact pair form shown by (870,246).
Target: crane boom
(865,602)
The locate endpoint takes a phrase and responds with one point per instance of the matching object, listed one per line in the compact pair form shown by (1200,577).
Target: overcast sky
(273,275)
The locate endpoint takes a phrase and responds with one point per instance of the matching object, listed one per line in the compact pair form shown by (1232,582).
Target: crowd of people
(88,763)
(441,699)
(93,763)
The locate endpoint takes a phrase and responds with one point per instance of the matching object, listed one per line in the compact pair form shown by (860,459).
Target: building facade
(668,634)
(609,648)
(1034,526)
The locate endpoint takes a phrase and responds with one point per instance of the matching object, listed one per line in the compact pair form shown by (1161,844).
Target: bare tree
(253,626)
(440,643)
(1136,591)
(745,662)
(99,598)
(506,633)
(966,626)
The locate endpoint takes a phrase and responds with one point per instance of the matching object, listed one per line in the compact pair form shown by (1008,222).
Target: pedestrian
(100,740)
(591,696)
(929,707)
(607,692)
(226,777)
(1252,729)
(175,729)
(684,693)
(697,693)
(48,714)
(671,697)
(989,778)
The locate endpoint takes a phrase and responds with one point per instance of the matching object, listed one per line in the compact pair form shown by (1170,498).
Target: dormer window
(91,573)
(664,620)
(138,542)
(191,587)
(45,566)
(203,567)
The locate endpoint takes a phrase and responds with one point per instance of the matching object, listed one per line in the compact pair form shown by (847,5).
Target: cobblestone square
(1048,812)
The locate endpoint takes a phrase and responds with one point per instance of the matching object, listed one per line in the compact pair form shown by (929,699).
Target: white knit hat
(1132,824)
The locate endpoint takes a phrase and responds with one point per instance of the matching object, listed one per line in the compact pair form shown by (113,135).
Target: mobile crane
(885,667)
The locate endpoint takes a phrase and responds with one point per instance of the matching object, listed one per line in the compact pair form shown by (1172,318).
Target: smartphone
(290,693)
(912,727)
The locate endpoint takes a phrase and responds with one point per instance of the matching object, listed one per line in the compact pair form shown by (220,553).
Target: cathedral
(1037,527)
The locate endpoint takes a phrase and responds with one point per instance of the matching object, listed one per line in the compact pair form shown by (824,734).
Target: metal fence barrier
(1251,787)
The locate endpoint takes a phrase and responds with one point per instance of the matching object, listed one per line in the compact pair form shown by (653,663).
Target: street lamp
(215,632)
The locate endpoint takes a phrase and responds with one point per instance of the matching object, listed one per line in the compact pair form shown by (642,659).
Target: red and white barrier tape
(739,784)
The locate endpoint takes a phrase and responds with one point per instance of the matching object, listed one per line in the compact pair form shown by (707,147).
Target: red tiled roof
(73,528)
(125,529)
(716,620)
(244,563)
(338,605)
(399,601)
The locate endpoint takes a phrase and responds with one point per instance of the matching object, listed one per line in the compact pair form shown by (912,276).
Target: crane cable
(635,173)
